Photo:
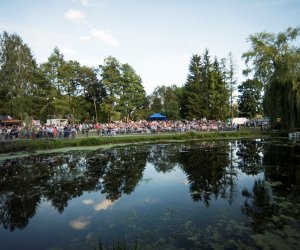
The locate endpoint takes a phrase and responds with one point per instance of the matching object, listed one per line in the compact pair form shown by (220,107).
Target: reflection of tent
(157,116)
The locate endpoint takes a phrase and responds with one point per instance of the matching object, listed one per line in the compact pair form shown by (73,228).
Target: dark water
(201,195)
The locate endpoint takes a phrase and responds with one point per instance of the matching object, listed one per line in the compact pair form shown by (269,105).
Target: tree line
(114,91)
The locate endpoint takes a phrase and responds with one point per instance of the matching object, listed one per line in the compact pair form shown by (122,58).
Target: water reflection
(213,172)
(259,205)
(207,172)
(163,157)
(123,171)
(250,157)
(273,203)
(60,178)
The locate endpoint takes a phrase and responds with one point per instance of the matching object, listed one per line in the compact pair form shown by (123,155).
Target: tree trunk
(95,108)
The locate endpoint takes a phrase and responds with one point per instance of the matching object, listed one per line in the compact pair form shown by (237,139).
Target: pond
(241,194)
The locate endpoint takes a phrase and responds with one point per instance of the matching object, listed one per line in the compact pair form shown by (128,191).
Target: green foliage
(52,70)
(230,75)
(193,105)
(165,100)
(18,74)
(65,89)
(250,103)
(111,79)
(206,91)
(125,94)
(132,93)
(76,89)
(275,62)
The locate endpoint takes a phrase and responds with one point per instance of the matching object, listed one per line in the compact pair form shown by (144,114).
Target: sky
(156,37)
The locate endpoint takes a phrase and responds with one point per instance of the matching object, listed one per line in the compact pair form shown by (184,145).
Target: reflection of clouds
(88,202)
(80,223)
(89,236)
(146,180)
(151,200)
(103,205)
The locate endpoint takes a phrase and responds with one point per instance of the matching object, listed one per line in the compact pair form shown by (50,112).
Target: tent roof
(157,115)
(9,119)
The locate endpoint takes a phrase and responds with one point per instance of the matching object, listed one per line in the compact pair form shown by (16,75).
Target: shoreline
(13,149)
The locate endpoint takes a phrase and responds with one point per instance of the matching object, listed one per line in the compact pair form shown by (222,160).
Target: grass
(44,144)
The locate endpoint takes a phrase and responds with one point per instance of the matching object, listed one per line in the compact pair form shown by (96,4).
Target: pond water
(242,194)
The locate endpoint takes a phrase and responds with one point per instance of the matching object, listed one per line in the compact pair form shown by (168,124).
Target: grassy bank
(44,144)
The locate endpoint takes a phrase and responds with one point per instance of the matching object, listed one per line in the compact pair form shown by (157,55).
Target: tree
(125,94)
(232,84)
(179,92)
(92,88)
(220,94)
(172,103)
(54,72)
(53,69)
(110,73)
(18,71)
(275,62)
(250,100)
(132,93)
(206,91)
(193,106)
(207,84)
(165,100)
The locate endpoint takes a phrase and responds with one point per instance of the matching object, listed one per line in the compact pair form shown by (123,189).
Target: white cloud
(85,2)
(91,62)
(84,38)
(75,16)
(3,26)
(91,3)
(105,37)
(68,51)
(88,202)
(103,205)
(80,223)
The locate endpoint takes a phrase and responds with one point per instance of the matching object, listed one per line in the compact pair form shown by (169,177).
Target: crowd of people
(109,129)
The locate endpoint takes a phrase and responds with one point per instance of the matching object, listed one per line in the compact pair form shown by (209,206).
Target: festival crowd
(110,129)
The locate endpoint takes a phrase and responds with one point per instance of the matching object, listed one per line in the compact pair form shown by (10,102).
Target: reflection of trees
(18,201)
(207,172)
(72,177)
(258,205)
(282,183)
(250,158)
(161,157)
(16,210)
(123,171)
(25,182)
(229,190)
(282,165)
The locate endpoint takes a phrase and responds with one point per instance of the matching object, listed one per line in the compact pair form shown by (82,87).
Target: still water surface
(242,194)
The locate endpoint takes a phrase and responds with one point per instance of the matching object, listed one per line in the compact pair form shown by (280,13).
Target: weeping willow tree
(275,61)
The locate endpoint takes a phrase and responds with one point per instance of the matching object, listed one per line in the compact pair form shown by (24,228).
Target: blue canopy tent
(157,116)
